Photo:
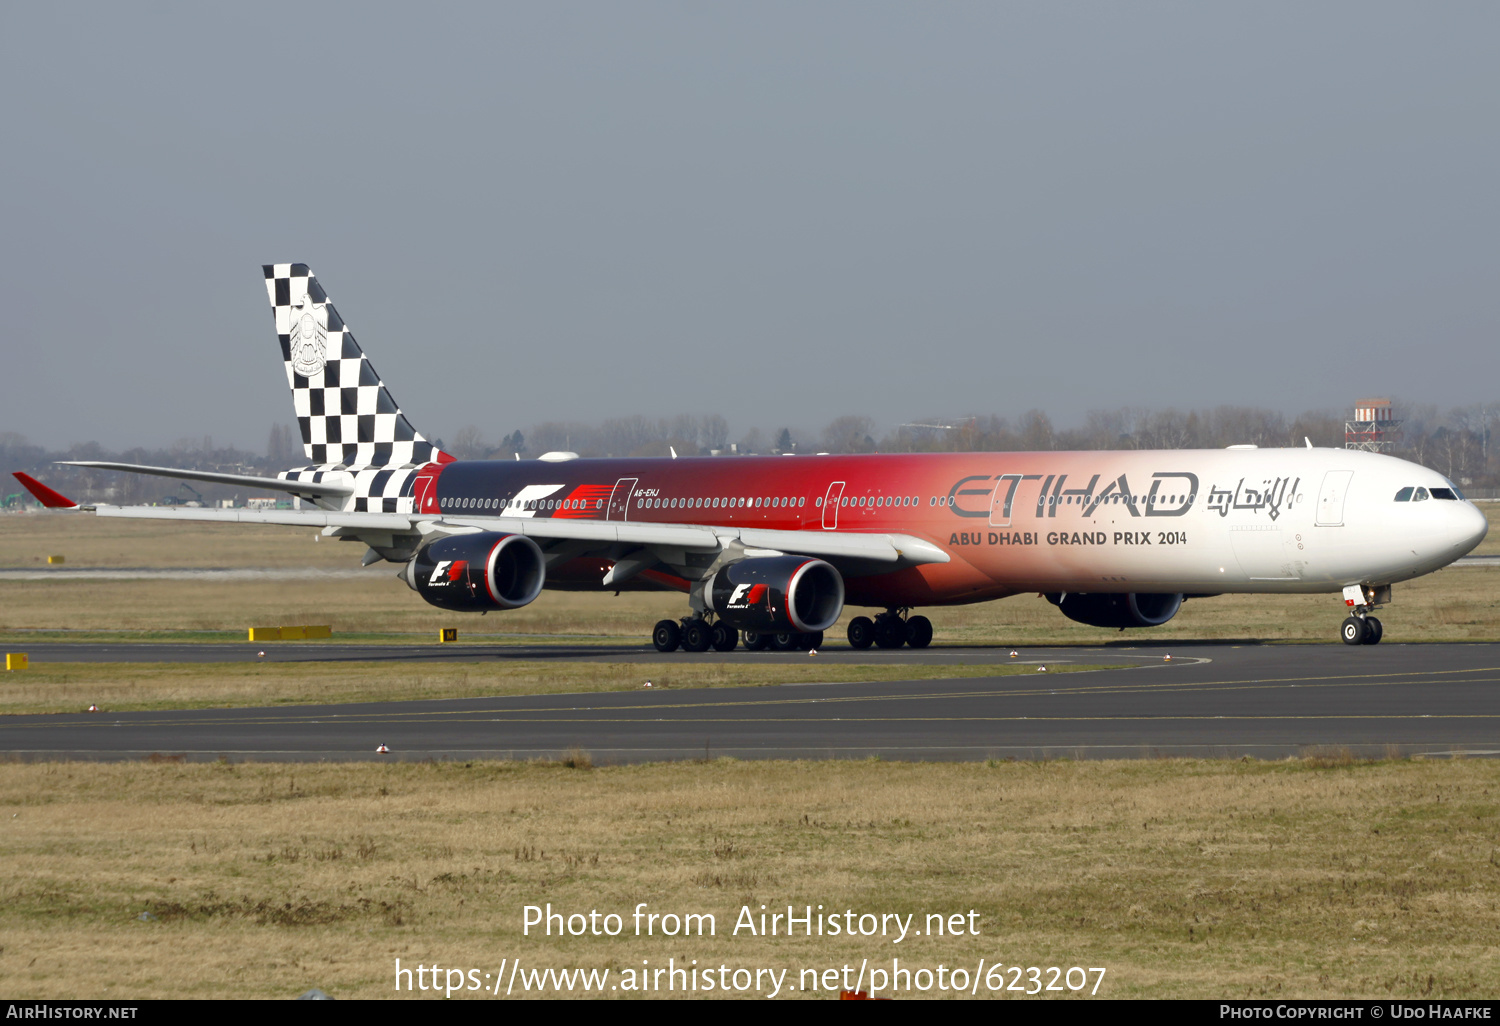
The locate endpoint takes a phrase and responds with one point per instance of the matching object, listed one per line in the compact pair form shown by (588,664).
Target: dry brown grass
(90,541)
(1453,605)
(26,540)
(1318,878)
(119,687)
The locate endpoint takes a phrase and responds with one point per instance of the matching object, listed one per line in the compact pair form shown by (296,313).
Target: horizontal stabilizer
(46,496)
(274,484)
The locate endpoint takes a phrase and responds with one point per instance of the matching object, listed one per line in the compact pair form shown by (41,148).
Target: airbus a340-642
(769,550)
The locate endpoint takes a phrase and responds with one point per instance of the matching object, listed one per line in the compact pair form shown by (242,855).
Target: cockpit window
(1404,495)
(1419,495)
(1443,493)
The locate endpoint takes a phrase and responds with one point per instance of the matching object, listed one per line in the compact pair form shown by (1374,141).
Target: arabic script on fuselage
(1274,495)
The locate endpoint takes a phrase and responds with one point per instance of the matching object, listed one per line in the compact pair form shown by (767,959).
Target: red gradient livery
(769,550)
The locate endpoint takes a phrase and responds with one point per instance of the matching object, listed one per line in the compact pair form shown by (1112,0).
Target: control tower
(1373,429)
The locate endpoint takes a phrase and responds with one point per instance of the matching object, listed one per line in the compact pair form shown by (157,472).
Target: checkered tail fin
(346,413)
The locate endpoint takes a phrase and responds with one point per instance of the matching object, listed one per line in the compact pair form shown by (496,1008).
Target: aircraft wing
(275,484)
(602,537)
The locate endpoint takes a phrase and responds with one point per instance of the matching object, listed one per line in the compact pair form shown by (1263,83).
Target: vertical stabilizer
(346,413)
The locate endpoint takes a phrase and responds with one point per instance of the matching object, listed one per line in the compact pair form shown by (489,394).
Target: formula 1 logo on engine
(746,595)
(447,570)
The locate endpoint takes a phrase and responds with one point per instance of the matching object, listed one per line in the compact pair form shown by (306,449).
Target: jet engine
(472,572)
(1129,610)
(776,594)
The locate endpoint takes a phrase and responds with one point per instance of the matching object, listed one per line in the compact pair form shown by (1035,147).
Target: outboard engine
(1130,610)
(777,594)
(472,572)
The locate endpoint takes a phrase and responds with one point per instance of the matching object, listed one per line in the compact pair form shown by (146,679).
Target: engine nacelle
(1130,610)
(777,593)
(472,572)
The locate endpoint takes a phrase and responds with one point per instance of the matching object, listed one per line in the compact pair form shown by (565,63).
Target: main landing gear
(694,634)
(1362,628)
(789,641)
(890,630)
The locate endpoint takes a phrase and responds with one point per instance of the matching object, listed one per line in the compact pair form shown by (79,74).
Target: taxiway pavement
(1218,700)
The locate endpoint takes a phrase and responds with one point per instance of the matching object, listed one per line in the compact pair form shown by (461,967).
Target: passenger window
(1419,495)
(1404,495)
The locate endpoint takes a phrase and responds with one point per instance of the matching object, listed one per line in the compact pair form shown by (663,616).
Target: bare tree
(468,444)
(1036,430)
(849,434)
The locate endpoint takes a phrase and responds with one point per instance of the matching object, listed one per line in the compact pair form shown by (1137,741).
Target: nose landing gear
(1361,628)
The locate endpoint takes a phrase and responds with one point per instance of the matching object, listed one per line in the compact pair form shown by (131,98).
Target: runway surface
(516,650)
(1224,700)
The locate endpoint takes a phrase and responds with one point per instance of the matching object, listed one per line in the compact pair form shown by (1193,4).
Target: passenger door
(831,506)
(619,499)
(1331,498)
(1003,499)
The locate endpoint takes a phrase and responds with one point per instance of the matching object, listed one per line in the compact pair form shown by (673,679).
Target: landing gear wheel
(890,632)
(861,632)
(725,637)
(756,641)
(666,635)
(697,636)
(811,640)
(786,641)
(1373,631)
(1353,631)
(918,631)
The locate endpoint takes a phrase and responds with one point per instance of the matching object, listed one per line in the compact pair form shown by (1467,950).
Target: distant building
(1373,428)
(260,502)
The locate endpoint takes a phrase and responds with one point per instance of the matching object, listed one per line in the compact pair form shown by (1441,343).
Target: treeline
(1454,442)
(86,485)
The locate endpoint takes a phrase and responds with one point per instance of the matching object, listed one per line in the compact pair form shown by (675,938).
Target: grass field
(1320,877)
(1461,604)
(1307,878)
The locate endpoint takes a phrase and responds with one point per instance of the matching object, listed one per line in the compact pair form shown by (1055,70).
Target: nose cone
(1470,527)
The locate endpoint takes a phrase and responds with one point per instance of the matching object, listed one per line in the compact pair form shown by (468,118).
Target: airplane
(768,550)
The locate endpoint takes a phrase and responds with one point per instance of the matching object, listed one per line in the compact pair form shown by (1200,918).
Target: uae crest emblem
(309,341)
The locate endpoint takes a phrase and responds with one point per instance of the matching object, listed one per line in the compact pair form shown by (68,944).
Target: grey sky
(779,212)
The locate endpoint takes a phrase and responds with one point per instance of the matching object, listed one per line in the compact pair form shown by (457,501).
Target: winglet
(46,496)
